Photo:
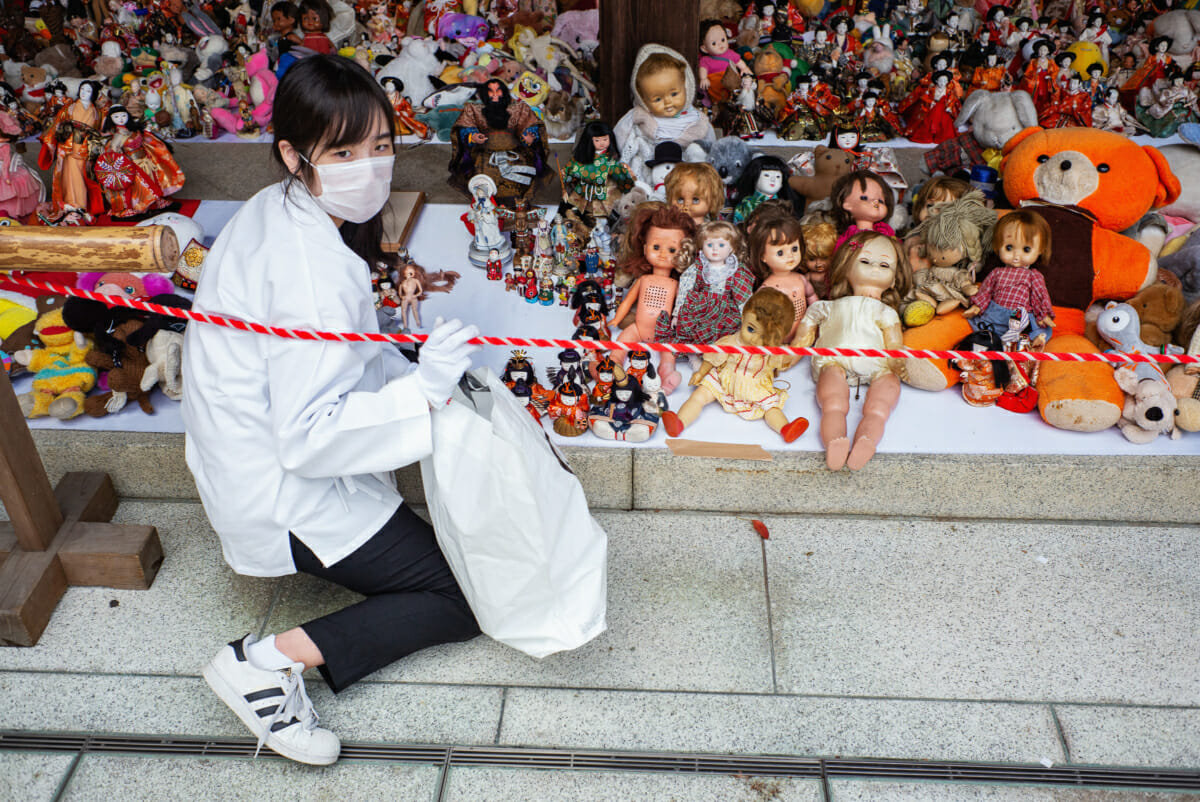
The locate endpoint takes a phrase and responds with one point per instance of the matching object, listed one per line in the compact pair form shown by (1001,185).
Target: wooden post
(62,537)
(626,25)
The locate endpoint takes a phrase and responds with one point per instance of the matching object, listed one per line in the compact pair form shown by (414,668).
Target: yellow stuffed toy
(61,376)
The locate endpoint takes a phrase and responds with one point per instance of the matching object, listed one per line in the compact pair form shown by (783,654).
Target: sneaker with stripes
(273,704)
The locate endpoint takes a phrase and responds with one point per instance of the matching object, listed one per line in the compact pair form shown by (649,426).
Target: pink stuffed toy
(262,94)
(131,285)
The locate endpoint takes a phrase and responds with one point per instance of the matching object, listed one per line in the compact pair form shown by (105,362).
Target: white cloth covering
(288,435)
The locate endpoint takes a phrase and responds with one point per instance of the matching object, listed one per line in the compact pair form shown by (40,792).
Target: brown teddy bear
(33,88)
(1088,184)
(829,164)
(1159,308)
(774,84)
(125,370)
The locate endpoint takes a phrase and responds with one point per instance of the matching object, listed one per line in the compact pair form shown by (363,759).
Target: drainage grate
(675,762)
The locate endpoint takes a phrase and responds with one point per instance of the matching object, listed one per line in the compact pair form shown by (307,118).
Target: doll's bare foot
(836,453)
(864,449)
(672,423)
(792,431)
(670,380)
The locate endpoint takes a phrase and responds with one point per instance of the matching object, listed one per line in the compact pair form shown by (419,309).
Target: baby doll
(765,178)
(716,58)
(869,277)
(653,242)
(819,241)
(861,201)
(1021,240)
(776,255)
(595,178)
(663,91)
(713,287)
(315,16)
(697,189)
(745,384)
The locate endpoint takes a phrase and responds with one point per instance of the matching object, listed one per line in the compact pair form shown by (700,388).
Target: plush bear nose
(724,171)
(1154,413)
(1066,165)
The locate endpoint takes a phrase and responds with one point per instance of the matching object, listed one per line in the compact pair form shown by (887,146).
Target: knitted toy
(62,377)
(125,372)
(1088,184)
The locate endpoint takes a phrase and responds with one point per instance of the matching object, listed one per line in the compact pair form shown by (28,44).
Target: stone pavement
(1011,642)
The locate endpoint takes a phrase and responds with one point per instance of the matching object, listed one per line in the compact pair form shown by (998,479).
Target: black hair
(519,364)
(324,12)
(587,290)
(570,388)
(990,341)
(1058,59)
(287,8)
(949,75)
(327,101)
(749,180)
(586,333)
(585,152)
(628,382)
(1095,66)
(1033,48)
(994,10)
(97,89)
(1154,42)
(496,114)
(392,79)
(132,124)
(707,25)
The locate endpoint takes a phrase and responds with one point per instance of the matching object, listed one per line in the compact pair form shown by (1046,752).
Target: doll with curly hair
(744,384)
(653,242)
(870,275)
(713,286)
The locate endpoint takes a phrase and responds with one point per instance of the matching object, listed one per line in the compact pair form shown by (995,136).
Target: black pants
(412,601)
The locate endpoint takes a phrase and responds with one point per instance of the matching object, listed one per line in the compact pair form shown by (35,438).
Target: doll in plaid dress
(713,287)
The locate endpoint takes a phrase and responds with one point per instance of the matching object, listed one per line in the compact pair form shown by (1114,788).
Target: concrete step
(1002,643)
(1133,489)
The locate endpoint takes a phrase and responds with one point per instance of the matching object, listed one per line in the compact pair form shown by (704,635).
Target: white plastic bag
(512,520)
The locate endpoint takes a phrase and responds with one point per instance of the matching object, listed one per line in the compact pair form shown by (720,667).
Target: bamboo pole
(106,249)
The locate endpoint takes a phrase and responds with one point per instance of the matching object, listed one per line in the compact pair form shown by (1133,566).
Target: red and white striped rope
(12,282)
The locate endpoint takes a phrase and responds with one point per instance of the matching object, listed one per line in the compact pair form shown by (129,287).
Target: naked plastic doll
(869,277)
(741,383)
(664,89)
(777,257)
(410,296)
(655,237)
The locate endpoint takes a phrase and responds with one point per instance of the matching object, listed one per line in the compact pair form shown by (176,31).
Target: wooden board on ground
(400,218)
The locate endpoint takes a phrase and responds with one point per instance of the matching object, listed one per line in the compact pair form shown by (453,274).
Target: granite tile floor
(868,637)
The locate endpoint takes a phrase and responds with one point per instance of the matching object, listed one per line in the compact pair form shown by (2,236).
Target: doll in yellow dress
(745,384)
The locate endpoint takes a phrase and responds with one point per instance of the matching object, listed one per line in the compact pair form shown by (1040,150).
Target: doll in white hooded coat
(663,93)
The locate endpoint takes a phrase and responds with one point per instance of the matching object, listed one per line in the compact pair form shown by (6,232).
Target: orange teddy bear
(1088,184)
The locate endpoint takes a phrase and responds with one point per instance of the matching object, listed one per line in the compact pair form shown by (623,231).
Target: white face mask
(354,191)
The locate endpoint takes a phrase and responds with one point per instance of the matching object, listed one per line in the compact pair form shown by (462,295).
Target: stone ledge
(1013,487)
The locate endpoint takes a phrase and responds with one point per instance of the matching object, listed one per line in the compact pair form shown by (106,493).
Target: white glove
(443,359)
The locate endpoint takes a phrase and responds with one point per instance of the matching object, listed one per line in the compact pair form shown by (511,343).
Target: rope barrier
(11,282)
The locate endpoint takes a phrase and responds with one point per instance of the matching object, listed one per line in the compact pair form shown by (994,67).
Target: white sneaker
(273,704)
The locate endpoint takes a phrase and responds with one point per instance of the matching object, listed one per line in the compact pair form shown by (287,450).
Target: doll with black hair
(765,178)
(135,169)
(624,416)
(1174,104)
(983,381)
(808,111)
(1040,77)
(501,136)
(315,19)
(595,178)
(874,119)
(931,110)
(862,201)
(403,115)
(568,410)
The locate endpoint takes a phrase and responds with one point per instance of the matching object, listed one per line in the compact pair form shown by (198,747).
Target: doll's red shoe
(672,423)
(793,430)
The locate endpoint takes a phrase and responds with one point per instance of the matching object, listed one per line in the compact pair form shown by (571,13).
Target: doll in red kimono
(1041,75)
(931,111)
